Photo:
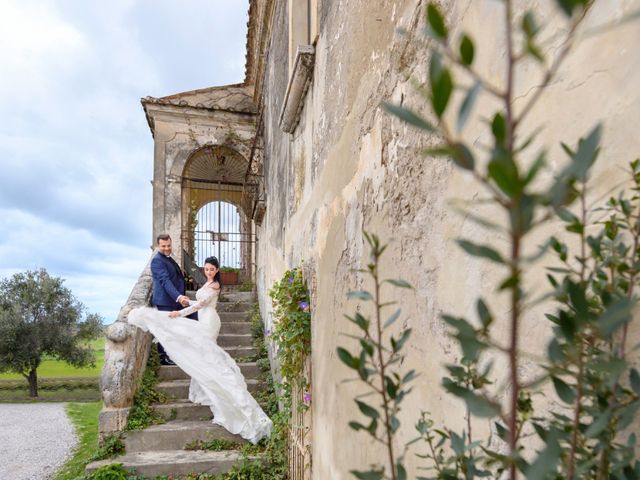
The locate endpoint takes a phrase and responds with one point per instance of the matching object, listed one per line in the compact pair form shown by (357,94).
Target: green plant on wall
(291,327)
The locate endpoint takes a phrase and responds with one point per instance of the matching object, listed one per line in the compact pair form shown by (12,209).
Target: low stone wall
(125,356)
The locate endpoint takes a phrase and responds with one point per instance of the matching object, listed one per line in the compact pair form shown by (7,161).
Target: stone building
(312,160)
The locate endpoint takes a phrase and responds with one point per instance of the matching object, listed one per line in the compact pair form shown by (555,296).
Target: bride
(216,379)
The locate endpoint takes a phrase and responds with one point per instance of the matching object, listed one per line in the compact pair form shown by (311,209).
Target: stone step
(235,340)
(183,410)
(241,352)
(175,435)
(234,317)
(245,297)
(179,389)
(225,306)
(174,462)
(250,370)
(235,328)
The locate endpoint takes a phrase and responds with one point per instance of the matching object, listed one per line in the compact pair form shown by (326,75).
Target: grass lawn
(85,419)
(51,368)
(62,395)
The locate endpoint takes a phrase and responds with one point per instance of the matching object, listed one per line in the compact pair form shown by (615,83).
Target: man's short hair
(162,236)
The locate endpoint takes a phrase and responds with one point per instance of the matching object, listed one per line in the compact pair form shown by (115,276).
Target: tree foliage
(40,317)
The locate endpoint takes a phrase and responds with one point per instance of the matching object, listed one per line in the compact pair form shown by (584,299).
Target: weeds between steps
(142,413)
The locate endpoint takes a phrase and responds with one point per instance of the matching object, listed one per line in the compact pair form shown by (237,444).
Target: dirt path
(35,440)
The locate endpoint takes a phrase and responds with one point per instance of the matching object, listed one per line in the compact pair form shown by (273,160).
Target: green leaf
(410,375)
(457,444)
(598,425)
(397,344)
(534,51)
(567,216)
(579,302)
(394,316)
(522,215)
(367,347)
(400,283)
(483,313)
(529,26)
(391,386)
(586,154)
(349,360)
(555,351)
(467,106)
(499,128)
(502,431)
(441,89)
(634,380)
(478,406)
(614,316)
(408,116)
(400,471)
(368,475)
(568,6)
(563,390)
(436,21)
(482,251)
(357,426)
(368,410)
(462,156)
(537,165)
(504,172)
(467,50)
(360,295)
(547,460)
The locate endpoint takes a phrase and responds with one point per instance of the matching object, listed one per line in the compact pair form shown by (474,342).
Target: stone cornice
(297,88)
(184,114)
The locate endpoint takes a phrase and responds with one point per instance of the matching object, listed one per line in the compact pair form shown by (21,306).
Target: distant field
(50,368)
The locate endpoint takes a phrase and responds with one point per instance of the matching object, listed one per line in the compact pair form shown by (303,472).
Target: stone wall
(349,166)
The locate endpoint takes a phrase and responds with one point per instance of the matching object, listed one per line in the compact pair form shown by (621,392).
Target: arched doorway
(218,234)
(214,222)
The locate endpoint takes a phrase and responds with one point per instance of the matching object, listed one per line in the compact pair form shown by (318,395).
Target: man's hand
(183,300)
(174,314)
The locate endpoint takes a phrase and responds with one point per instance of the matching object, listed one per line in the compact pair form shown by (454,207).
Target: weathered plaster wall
(349,166)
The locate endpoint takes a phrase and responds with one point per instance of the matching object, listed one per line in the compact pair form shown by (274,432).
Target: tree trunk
(33,383)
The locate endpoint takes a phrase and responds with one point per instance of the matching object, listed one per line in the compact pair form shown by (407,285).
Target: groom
(168,285)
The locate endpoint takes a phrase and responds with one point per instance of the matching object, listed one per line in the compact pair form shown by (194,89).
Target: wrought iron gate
(219,233)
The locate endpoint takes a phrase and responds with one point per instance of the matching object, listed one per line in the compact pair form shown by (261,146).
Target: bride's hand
(174,314)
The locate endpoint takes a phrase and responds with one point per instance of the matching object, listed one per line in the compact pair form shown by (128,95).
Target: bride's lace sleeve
(208,295)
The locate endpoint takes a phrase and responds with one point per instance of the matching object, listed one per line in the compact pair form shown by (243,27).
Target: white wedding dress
(216,379)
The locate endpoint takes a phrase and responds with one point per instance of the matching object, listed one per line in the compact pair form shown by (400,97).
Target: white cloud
(76,155)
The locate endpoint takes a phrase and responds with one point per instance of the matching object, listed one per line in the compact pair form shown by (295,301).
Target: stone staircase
(160,449)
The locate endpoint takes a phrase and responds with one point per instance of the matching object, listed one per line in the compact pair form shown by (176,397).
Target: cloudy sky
(76,154)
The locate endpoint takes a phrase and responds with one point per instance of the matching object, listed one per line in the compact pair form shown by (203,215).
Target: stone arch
(211,174)
(230,142)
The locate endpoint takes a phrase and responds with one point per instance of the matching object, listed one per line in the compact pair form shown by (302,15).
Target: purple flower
(304,306)
(290,279)
(267,332)
(306,397)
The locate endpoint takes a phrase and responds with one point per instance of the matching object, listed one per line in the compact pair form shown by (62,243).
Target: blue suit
(168,283)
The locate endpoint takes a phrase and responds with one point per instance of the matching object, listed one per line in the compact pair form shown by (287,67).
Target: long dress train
(216,379)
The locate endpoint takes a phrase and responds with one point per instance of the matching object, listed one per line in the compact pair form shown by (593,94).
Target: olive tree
(40,316)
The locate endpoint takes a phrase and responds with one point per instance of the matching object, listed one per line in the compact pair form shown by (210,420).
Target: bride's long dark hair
(214,261)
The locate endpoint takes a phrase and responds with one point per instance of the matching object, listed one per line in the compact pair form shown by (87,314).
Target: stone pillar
(125,357)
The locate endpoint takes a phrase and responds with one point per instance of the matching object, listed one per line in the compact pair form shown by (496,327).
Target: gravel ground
(35,440)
